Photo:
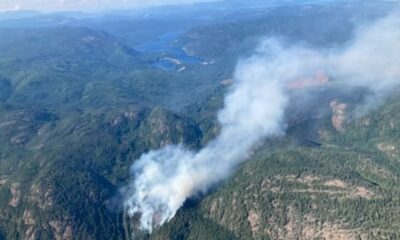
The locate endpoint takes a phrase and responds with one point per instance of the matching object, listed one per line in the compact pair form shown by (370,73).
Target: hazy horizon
(86,5)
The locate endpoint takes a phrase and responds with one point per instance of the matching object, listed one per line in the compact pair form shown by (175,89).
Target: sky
(84,5)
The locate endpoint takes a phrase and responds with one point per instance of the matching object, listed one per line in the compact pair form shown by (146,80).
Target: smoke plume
(254,109)
(165,178)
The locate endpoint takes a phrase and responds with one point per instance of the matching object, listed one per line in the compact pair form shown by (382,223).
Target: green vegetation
(345,187)
(78,105)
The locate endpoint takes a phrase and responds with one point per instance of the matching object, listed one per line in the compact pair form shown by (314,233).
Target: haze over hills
(88,102)
(102,6)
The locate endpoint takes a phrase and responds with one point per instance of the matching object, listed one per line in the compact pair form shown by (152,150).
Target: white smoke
(373,58)
(163,179)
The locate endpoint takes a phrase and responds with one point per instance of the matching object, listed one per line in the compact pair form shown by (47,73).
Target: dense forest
(83,96)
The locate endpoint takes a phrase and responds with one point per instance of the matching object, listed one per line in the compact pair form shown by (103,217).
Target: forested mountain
(82,98)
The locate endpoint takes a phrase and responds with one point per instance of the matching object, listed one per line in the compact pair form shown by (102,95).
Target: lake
(172,57)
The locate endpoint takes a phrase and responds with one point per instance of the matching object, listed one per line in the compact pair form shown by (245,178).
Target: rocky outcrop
(15,195)
(339,112)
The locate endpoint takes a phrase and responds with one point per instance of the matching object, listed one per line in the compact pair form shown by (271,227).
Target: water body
(171,56)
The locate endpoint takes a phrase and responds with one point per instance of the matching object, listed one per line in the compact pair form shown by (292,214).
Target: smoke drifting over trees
(254,109)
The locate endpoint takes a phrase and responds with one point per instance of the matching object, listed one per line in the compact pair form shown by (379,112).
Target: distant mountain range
(79,104)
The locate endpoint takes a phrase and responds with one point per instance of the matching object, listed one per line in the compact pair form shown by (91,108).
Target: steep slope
(59,177)
(343,187)
(77,107)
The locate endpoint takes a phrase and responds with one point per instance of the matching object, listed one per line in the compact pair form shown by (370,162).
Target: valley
(84,96)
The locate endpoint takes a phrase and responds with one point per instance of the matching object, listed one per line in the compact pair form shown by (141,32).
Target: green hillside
(79,104)
(346,188)
(59,180)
